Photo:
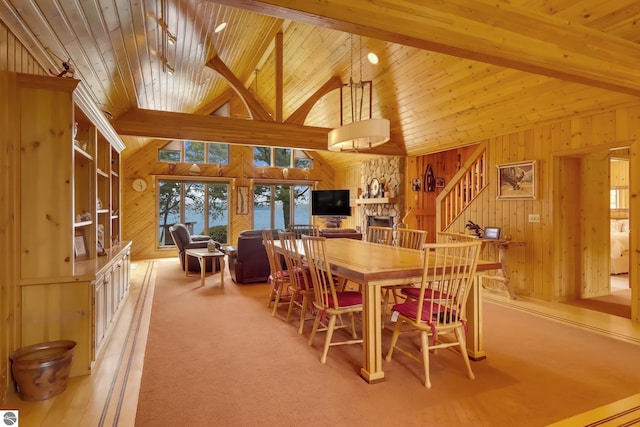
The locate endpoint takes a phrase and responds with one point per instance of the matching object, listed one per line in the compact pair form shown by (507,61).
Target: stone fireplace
(386,209)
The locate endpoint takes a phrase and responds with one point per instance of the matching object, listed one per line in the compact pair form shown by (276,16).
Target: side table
(202,254)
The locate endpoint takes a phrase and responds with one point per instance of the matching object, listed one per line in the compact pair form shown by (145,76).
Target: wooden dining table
(373,266)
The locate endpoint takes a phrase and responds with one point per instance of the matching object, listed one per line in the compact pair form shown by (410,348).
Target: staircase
(463,188)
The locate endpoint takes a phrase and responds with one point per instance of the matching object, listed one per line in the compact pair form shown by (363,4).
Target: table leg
(222,271)
(371,369)
(474,322)
(203,267)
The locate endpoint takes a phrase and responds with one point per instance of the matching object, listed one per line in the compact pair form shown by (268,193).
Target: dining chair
(377,234)
(300,286)
(278,276)
(304,229)
(328,301)
(410,239)
(412,292)
(448,274)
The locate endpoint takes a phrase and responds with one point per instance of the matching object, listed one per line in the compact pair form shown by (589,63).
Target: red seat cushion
(347,299)
(410,309)
(415,293)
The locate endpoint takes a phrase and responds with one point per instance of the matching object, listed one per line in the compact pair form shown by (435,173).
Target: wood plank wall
(139,209)
(14,58)
(566,253)
(423,203)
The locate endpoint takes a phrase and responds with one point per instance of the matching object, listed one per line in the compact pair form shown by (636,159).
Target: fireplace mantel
(376,200)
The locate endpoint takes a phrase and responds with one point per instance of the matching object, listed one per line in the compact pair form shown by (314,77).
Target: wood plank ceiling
(450,73)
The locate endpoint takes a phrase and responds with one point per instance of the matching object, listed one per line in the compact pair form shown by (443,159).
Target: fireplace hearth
(380,221)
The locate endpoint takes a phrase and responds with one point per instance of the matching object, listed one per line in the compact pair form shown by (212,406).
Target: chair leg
(463,350)
(316,324)
(327,341)
(425,357)
(353,326)
(272,292)
(394,340)
(279,286)
(303,313)
(292,303)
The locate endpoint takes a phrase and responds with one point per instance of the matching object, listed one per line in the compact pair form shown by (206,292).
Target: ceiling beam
(483,30)
(197,127)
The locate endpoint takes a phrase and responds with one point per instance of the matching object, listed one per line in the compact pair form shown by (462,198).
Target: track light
(220,27)
(166,67)
(171,37)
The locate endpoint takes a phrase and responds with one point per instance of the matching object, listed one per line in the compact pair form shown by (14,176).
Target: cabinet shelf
(82,224)
(102,173)
(103,211)
(83,153)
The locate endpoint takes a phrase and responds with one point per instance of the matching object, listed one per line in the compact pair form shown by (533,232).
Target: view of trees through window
(280,205)
(194,152)
(201,206)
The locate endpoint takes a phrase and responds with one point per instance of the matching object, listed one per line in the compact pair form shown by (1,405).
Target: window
(194,152)
(281,157)
(201,206)
(278,206)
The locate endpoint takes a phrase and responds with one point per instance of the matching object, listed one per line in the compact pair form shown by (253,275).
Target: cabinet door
(99,315)
(108,291)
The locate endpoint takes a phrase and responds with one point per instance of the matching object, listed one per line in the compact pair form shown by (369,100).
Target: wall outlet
(534,217)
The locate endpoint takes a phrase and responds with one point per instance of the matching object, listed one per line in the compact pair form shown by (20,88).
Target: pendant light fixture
(361,134)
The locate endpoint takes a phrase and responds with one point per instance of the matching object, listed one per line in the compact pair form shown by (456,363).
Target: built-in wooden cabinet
(74,269)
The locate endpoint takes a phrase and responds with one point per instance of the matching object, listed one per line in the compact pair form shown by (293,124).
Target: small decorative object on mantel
(194,170)
(374,188)
(285,173)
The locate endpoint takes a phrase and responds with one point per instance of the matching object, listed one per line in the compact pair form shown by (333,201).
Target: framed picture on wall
(517,180)
(242,201)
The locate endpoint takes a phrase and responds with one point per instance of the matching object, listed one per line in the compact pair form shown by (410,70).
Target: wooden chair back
(447,280)
(299,280)
(320,272)
(275,262)
(304,230)
(410,238)
(377,234)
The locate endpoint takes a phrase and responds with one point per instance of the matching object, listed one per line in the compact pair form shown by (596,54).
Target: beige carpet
(217,357)
(617,303)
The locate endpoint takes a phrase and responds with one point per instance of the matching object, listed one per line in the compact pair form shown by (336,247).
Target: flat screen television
(330,203)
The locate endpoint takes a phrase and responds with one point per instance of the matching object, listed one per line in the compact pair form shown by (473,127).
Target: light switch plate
(534,217)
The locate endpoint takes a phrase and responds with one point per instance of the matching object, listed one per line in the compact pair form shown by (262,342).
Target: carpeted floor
(618,303)
(217,357)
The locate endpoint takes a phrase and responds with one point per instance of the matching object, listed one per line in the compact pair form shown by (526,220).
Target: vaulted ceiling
(450,73)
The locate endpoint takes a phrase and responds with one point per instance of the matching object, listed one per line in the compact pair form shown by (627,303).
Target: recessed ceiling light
(220,27)
(372,57)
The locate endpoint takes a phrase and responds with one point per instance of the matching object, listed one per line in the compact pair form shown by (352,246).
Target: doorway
(582,219)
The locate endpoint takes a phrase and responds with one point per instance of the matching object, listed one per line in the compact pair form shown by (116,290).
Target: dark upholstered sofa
(248,262)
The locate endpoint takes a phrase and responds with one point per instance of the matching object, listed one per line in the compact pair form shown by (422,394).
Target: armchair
(184,240)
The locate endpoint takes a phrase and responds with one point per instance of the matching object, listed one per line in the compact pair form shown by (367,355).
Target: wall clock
(139,185)
(374,187)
